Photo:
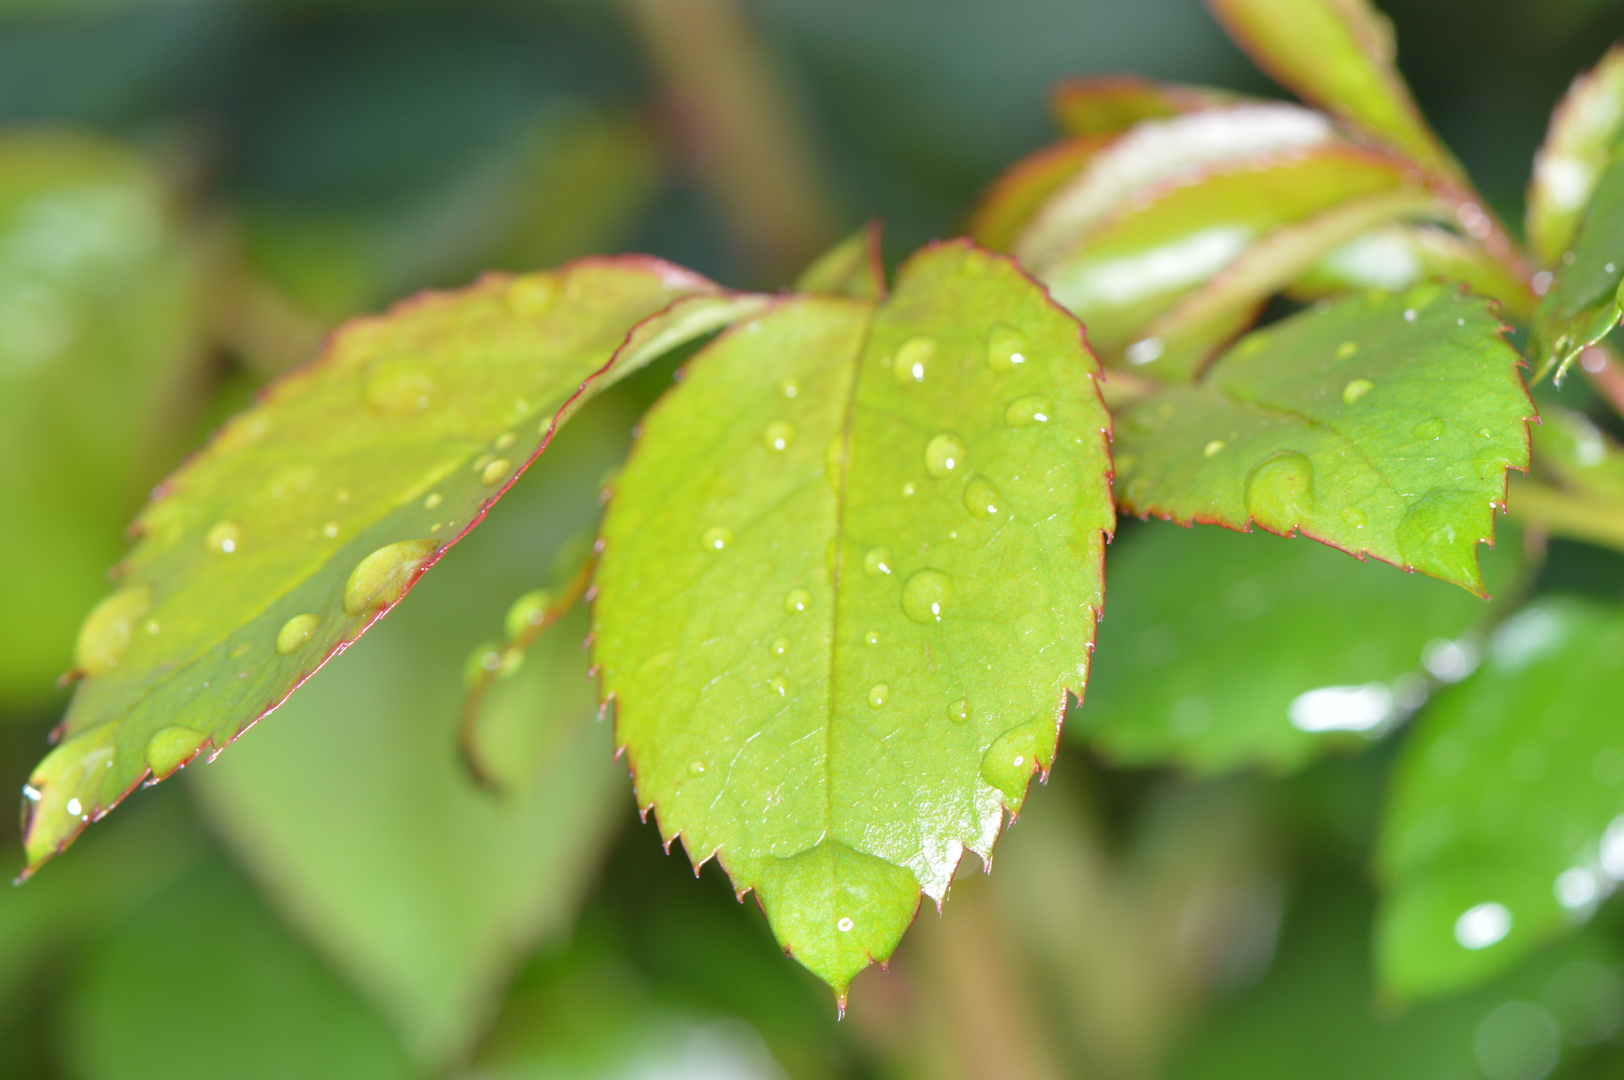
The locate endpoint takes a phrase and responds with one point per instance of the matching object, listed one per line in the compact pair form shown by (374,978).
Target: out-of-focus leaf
(1169,242)
(1573,450)
(1397,255)
(1020,190)
(1337,54)
(1505,823)
(1316,1014)
(308,516)
(1224,650)
(851,268)
(202,983)
(99,323)
(838,627)
(1158,152)
(1383,426)
(354,815)
(1582,304)
(1107,104)
(1578,147)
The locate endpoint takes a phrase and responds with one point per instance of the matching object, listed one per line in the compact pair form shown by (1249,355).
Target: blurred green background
(193,191)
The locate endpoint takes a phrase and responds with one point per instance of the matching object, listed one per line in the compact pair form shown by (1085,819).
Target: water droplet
(1431,428)
(877,561)
(780,646)
(1354,516)
(780,687)
(330,529)
(844,925)
(926,595)
(1280,492)
(74,807)
(171,748)
(789,388)
(696,768)
(778,435)
(981,498)
(716,538)
(493,472)
(944,454)
(877,695)
(295,632)
(224,537)
(434,499)
(1006,347)
(532,295)
(1409,314)
(1010,760)
(379,579)
(908,489)
(872,637)
(913,359)
(1356,389)
(1346,349)
(107,629)
(503,441)
(398,386)
(1029,410)
(797,601)
(1213,449)
(959,711)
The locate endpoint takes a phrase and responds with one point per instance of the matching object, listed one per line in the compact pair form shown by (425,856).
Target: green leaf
(312,513)
(355,817)
(851,268)
(1337,54)
(1105,105)
(1383,425)
(838,627)
(1582,304)
(1505,823)
(99,328)
(1571,449)
(1192,610)
(1136,266)
(1578,146)
(1394,256)
(238,998)
(1017,194)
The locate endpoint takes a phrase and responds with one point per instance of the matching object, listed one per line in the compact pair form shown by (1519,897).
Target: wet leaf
(1108,104)
(1337,54)
(308,516)
(838,628)
(1383,426)
(1582,304)
(1578,147)
(99,327)
(1224,651)
(1394,256)
(1138,265)
(852,267)
(1505,822)
(353,814)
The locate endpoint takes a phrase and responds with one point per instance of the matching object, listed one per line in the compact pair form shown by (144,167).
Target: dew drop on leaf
(716,538)
(380,578)
(295,632)
(1028,410)
(1280,492)
(945,454)
(1346,349)
(494,471)
(797,601)
(926,595)
(504,440)
(1354,516)
(778,435)
(780,646)
(108,628)
(913,359)
(696,768)
(171,747)
(844,925)
(789,388)
(959,711)
(872,637)
(1356,389)
(1213,449)
(1006,347)
(877,561)
(877,695)
(398,387)
(1430,428)
(1011,759)
(434,499)
(529,610)
(981,498)
(780,687)
(223,538)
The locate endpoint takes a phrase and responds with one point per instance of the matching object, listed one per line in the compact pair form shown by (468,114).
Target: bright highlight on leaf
(836,659)
(311,514)
(1577,149)
(1383,426)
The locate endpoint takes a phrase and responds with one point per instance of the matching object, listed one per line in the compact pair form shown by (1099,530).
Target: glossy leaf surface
(311,514)
(1394,256)
(1577,149)
(1112,103)
(1019,192)
(1223,650)
(1138,264)
(1382,426)
(1337,54)
(849,574)
(1582,304)
(1505,823)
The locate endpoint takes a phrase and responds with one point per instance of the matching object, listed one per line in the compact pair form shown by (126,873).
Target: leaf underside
(309,515)
(849,575)
(1383,426)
